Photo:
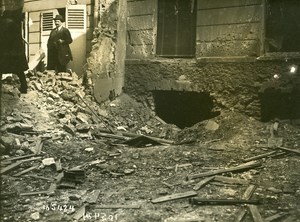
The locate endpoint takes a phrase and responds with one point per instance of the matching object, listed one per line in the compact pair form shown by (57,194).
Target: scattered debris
(241,167)
(174,197)
(200,201)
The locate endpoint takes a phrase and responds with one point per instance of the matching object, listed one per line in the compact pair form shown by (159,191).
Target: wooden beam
(241,167)
(117,206)
(200,201)
(289,150)
(231,180)
(174,197)
(247,195)
(259,156)
(255,213)
(26,170)
(203,182)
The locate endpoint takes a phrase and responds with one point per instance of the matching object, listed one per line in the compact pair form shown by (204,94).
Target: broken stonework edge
(175,197)
(255,213)
(203,182)
(241,167)
(117,206)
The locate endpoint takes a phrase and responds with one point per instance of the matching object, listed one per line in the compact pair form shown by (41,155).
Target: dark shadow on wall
(280,105)
(183,108)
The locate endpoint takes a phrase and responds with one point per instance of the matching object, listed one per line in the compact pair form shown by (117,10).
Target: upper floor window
(283,26)
(176,29)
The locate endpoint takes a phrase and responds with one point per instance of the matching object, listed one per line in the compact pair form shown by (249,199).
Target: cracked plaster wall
(105,64)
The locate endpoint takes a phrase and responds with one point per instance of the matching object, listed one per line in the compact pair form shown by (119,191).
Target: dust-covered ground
(106,175)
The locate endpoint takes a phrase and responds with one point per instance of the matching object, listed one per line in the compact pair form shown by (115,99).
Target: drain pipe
(96,13)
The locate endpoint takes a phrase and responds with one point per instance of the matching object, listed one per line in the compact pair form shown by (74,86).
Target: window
(176,30)
(283,26)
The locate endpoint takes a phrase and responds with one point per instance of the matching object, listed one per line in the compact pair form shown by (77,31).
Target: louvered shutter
(76,18)
(76,23)
(47,25)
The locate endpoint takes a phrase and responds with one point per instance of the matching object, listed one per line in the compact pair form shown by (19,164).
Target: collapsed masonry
(105,65)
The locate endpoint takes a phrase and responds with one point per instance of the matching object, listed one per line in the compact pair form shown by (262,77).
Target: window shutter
(76,17)
(47,21)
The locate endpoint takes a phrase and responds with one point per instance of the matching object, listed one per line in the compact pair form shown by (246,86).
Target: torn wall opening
(280,105)
(183,108)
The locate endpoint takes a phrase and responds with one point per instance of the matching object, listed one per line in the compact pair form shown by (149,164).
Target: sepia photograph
(150,110)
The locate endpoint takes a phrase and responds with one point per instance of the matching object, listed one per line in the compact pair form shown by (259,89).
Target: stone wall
(232,85)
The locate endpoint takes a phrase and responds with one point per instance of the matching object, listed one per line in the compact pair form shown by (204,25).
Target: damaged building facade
(228,50)
(185,59)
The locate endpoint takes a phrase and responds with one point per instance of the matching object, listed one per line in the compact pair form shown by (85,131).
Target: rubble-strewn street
(66,158)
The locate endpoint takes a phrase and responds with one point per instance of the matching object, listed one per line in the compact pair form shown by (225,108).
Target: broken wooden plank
(35,60)
(231,180)
(40,177)
(141,141)
(127,134)
(168,185)
(31,159)
(38,146)
(10,167)
(255,213)
(79,213)
(35,193)
(241,167)
(200,201)
(26,170)
(92,197)
(247,195)
(289,150)
(117,206)
(58,166)
(52,189)
(240,215)
(174,197)
(113,136)
(275,217)
(20,157)
(249,192)
(203,182)
(259,156)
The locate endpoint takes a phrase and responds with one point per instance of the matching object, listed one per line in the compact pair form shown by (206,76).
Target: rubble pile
(72,112)
(67,158)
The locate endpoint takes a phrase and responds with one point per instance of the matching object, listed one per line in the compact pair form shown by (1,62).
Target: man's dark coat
(59,53)
(12,49)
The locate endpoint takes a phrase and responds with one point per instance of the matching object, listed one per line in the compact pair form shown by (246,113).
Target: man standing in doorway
(59,52)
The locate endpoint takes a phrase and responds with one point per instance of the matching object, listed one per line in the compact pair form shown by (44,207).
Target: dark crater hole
(183,108)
